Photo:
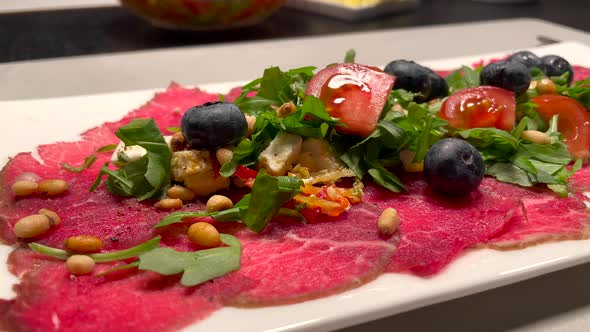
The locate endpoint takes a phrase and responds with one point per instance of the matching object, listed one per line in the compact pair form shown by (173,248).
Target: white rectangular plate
(29,123)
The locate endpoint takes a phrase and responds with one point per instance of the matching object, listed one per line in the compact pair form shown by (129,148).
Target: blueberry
(453,166)
(527,58)
(509,75)
(213,125)
(415,78)
(439,85)
(554,65)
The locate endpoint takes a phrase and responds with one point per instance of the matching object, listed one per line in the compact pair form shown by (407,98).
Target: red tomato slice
(480,107)
(573,123)
(354,93)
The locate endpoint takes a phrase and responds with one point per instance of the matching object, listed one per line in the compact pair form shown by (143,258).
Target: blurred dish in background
(203,14)
(354,10)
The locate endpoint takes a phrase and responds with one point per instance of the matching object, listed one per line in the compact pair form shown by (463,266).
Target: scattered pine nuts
(251,120)
(388,221)
(54,219)
(286,109)
(80,264)
(218,203)
(536,136)
(53,187)
(83,243)
(24,187)
(32,226)
(169,203)
(224,156)
(181,192)
(204,234)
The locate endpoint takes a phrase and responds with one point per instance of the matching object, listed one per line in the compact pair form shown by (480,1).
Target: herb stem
(102,257)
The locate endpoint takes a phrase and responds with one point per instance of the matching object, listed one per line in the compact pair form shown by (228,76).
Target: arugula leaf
(107,148)
(268,195)
(196,267)
(88,161)
(510,159)
(100,257)
(147,177)
(349,56)
(462,78)
(579,91)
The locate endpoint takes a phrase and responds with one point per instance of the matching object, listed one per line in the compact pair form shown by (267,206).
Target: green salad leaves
(511,159)
(147,177)
(256,209)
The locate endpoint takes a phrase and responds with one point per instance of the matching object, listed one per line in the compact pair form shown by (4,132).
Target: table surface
(556,302)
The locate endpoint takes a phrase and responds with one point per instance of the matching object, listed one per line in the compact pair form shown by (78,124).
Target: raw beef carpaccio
(288,262)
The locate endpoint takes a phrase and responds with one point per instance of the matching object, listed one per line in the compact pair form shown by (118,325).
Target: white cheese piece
(125,154)
(317,155)
(281,153)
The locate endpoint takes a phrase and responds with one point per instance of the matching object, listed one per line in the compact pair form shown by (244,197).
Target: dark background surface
(39,35)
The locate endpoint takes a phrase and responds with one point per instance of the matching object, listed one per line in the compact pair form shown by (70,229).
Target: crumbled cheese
(281,153)
(189,162)
(195,169)
(317,155)
(125,154)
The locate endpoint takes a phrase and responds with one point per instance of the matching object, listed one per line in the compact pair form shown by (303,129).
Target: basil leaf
(268,195)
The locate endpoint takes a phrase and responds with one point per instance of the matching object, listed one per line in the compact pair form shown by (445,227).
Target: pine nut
(83,243)
(546,86)
(54,219)
(332,193)
(181,192)
(32,226)
(218,203)
(204,234)
(24,187)
(169,203)
(178,142)
(388,221)
(286,109)
(251,120)
(80,264)
(536,136)
(53,187)
(224,156)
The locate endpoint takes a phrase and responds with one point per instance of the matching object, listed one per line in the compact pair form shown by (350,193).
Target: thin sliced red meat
(287,263)
(544,219)
(435,229)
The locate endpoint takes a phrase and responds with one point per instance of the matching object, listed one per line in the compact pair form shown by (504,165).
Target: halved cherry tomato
(480,107)
(573,122)
(354,93)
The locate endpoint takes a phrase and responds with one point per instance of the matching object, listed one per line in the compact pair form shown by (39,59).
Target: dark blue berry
(555,65)
(527,58)
(213,125)
(509,75)
(453,166)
